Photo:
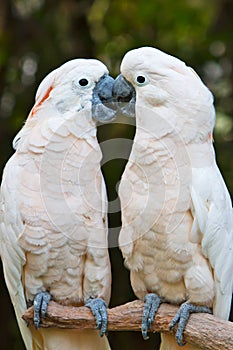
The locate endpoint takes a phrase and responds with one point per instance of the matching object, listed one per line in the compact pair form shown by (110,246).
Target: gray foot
(152,302)
(182,318)
(99,309)
(40,304)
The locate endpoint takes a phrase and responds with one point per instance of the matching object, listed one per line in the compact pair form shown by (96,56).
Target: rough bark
(203,330)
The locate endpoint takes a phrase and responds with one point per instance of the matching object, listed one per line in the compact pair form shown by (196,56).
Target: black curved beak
(125,95)
(104,108)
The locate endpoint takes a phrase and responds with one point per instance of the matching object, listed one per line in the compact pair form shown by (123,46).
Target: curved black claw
(152,302)
(182,318)
(40,304)
(99,309)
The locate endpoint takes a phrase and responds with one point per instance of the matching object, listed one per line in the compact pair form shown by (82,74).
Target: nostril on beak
(124,98)
(103,97)
(106,97)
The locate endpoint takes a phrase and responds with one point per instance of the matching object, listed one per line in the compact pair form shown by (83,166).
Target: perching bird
(53,207)
(177,219)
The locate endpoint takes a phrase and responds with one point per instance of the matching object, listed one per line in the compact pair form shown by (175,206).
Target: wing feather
(212,209)
(12,255)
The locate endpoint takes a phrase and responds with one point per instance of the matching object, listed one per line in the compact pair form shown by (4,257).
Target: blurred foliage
(36,36)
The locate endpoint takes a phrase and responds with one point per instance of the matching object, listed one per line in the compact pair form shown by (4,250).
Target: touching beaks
(112,98)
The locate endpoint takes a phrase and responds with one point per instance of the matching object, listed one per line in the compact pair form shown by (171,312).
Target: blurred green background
(36,36)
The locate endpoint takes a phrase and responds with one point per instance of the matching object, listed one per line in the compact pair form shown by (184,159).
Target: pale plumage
(53,204)
(177,220)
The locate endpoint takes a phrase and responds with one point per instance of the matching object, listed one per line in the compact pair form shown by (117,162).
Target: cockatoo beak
(125,95)
(104,108)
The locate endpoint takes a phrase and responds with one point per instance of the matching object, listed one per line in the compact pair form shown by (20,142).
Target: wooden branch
(203,330)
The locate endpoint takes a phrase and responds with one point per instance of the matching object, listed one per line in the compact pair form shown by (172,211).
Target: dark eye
(83,82)
(141,79)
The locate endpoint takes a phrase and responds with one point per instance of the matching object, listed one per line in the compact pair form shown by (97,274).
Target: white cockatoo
(177,219)
(53,207)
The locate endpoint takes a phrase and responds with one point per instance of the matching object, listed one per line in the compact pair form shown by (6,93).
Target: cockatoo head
(165,85)
(77,84)
(80,90)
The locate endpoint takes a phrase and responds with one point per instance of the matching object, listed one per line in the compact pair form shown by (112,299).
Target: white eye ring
(141,80)
(83,83)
